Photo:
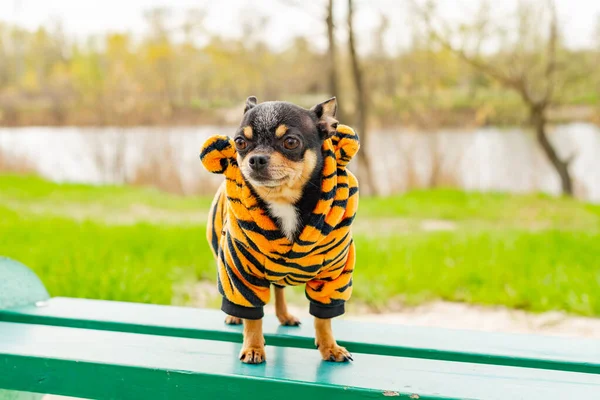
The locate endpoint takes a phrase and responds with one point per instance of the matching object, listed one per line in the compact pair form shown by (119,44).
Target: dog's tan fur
(230,320)
(281,309)
(253,349)
(294,175)
(248,133)
(280,131)
(325,342)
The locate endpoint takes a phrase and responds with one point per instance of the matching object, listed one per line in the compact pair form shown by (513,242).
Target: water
(481,159)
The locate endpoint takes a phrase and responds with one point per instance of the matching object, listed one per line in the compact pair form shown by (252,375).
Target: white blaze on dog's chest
(288,217)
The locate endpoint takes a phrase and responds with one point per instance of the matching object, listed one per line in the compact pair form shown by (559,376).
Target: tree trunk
(333,84)
(539,121)
(333,87)
(361,109)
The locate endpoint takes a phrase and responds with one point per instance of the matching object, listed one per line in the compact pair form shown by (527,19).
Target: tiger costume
(252,253)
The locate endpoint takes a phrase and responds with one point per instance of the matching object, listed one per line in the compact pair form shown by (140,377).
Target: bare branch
(517,82)
(361,108)
(551,54)
(302,5)
(569,160)
(333,69)
(473,61)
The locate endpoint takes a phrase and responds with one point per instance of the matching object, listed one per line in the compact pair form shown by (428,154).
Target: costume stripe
(215,236)
(248,256)
(253,227)
(216,145)
(251,279)
(228,289)
(300,278)
(282,262)
(345,287)
(245,292)
(338,258)
(346,222)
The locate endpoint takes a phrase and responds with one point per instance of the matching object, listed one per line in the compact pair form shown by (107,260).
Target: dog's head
(279,145)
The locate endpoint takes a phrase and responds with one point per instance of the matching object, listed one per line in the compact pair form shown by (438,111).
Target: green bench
(113,350)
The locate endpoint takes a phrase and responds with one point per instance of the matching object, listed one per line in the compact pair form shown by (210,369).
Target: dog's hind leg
(281,309)
(229,320)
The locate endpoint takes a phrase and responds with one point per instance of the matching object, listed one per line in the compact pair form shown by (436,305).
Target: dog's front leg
(253,349)
(330,351)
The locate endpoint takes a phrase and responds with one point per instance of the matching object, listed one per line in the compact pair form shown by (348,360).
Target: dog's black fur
(309,127)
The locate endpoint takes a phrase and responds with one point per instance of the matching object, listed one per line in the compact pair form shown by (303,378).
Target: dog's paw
(229,320)
(335,353)
(288,320)
(253,355)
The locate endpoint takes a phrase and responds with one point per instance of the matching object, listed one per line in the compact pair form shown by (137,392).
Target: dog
(282,217)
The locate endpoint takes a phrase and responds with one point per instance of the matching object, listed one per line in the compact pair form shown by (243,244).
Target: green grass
(140,262)
(33,190)
(532,252)
(540,271)
(108,204)
(496,210)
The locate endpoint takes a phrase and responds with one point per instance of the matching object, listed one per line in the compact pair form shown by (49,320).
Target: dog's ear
(325,113)
(250,103)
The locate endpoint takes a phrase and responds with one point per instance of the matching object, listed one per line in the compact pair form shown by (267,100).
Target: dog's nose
(258,162)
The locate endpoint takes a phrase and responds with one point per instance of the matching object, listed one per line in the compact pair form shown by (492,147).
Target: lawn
(532,252)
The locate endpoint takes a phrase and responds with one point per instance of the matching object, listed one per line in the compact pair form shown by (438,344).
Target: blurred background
(479,167)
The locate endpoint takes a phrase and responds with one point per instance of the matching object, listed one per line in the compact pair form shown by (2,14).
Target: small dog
(282,217)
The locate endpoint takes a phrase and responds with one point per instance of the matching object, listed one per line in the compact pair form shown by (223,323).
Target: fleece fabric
(252,253)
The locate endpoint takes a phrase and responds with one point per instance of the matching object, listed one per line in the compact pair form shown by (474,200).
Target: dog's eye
(240,143)
(291,143)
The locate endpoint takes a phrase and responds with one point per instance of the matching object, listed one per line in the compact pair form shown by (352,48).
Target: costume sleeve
(244,291)
(330,290)
(217,154)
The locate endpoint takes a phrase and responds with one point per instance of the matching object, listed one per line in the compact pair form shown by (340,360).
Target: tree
(527,61)
(361,108)
(331,46)
(380,59)
(597,33)
(160,52)
(596,57)
(315,10)
(359,117)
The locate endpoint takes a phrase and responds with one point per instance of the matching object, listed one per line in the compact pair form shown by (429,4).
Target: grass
(33,190)
(496,210)
(532,252)
(107,204)
(539,271)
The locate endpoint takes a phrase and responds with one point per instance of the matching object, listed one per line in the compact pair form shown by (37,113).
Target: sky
(81,18)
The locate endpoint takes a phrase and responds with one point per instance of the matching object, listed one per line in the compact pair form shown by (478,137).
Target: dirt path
(497,319)
(437,314)
(494,319)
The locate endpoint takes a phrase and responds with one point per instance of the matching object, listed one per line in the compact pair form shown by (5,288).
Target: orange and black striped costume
(251,251)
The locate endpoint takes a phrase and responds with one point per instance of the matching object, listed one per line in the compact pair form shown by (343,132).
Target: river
(487,159)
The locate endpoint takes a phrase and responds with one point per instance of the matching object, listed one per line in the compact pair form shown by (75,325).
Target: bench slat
(555,353)
(104,364)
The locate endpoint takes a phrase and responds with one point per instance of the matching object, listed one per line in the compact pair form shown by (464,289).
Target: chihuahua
(297,178)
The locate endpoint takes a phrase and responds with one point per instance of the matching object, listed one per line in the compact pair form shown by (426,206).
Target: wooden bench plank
(104,364)
(565,354)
